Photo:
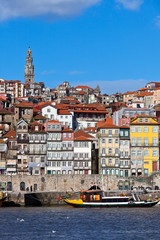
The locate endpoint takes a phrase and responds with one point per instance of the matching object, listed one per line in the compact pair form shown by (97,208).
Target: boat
(96,198)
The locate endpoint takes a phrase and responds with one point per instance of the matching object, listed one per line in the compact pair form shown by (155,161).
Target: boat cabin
(91,196)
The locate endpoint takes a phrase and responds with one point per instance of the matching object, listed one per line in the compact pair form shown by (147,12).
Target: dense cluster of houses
(77,130)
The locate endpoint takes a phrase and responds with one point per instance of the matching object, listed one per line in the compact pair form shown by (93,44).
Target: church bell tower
(29,68)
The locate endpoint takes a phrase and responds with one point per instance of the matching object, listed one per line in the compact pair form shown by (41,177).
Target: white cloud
(157,21)
(31,8)
(77,72)
(122,86)
(131,4)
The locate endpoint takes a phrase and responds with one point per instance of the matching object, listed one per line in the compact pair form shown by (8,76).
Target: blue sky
(113,43)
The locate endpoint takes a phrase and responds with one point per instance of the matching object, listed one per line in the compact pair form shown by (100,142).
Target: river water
(71,223)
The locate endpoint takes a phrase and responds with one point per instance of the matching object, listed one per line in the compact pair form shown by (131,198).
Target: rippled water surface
(70,223)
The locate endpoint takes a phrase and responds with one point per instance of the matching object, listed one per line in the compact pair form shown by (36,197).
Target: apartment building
(144,133)
(108,142)
(37,148)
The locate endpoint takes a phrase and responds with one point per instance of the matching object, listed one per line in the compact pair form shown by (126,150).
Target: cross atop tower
(29,68)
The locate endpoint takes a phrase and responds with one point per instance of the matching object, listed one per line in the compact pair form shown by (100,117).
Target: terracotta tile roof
(82,138)
(24,104)
(144,94)
(81,133)
(40,117)
(128,93)
(35,123)
(5,111)
(90,129)
(53,121)
(64,112)
(11,134)
(81,92)
(124,126)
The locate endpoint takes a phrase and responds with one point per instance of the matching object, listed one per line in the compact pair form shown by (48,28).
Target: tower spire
(29,68)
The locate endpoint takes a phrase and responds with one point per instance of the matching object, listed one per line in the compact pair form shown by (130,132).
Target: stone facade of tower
(29,68)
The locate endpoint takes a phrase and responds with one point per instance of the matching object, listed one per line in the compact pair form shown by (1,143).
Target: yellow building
(144,134)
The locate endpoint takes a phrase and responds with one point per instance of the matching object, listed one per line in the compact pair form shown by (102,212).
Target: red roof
(53,121)
(144,94)
(81,133)
(82,138)
(39,117)
(64,112)
(10,134)
(67,130)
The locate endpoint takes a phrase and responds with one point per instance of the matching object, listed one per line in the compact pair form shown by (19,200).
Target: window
(81,172)
(42,159)
(86,155)
(109,140)
(133,129)
(81,155)
(121,133)
(58,155)
(103,131)
(75,164)
(116,140)
(110,161)
(64,135)
(9,186)
(145,129)
(86,144)
(110,151)
(76,155)
(146,153)
(133,162)
(116,131)
(69,164)
(145,172)
(58,164)
(117,172)
(48,110)
(121,163)
(53,164)
(146,120)
(126,163)
(69,135)
(112,171)
(80,144)
(154,140)
(121,173)
(80,164)
(133,153)
(58,172)
(141,120)
(126,143)
(103,171)
(116,162)
(133,140)
(154,153)
(126,154)
(103,140)
(48,126)
(86,164)
(108,172)
(22,186)
(126,133)
(139,162)
(69,172)
(116,151)
(133,172)
(126,173)
(58,136)
(139,141)
(139,129)
(103,162)
(64,172)
(64,164)
(103,151)
(110,132)
(121,154)
(139,153)
(154,129)
(76,144)
(146,141)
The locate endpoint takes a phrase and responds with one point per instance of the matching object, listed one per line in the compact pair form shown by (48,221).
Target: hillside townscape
(77,130)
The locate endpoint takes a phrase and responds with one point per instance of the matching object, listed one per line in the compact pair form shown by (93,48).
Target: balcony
(22,140)
(144,145)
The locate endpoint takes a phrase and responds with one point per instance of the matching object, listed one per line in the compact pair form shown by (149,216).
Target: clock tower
(29,68)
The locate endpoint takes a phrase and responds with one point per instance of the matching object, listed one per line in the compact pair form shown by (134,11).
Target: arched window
(9,186)
(22,186)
